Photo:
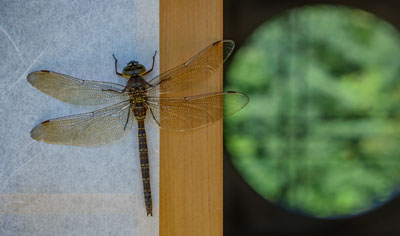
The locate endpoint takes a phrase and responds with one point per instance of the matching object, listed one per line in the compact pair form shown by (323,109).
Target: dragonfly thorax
(138,94)
(136,87)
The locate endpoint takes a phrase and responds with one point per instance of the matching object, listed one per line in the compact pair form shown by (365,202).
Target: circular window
(321,134)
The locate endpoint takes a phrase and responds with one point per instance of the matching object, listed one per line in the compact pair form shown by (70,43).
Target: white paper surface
(62,190)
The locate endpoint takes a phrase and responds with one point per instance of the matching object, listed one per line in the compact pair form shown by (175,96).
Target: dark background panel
(247,213)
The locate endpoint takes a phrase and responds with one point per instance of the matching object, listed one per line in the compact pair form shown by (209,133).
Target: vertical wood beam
(190,161)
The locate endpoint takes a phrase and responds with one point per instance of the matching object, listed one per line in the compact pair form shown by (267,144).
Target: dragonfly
(166,99)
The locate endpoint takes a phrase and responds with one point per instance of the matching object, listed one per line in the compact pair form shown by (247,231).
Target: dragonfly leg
(127,119)
(148,84)
(152,66)
(116,65)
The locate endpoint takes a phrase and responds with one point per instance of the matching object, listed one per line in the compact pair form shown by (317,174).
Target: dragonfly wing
(87,129)
(76,91)
(193,112)
(193,72)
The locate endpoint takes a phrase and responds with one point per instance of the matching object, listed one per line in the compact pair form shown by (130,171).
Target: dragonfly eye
(132,63)
(133,68)
(140,69)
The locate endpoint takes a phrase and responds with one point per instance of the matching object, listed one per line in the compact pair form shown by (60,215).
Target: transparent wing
(87,129)
(187,113)
(196,70)
(77,91)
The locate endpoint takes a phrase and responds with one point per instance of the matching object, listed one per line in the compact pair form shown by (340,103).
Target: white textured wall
(61,190)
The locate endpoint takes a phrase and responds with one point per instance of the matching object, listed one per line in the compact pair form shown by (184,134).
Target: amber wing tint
(185,113)
(87,129)
(193,72)
(76,91)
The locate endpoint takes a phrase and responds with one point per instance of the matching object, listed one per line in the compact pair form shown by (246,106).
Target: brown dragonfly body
(154,99)
(137,90)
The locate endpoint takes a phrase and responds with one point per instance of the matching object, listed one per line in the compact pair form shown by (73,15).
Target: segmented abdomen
(144,164)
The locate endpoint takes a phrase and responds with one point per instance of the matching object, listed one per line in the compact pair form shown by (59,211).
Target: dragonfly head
(133,69)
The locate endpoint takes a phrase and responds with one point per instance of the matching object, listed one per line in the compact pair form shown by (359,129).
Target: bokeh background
(317,149)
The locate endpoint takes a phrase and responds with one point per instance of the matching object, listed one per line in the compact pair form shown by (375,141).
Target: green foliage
(321,131)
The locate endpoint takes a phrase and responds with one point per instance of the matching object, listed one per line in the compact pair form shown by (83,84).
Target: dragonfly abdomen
(144,164)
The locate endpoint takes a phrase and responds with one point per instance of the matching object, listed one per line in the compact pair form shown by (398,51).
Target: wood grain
(191,161)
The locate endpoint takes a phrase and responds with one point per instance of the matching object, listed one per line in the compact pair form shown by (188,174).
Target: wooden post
(190,161)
